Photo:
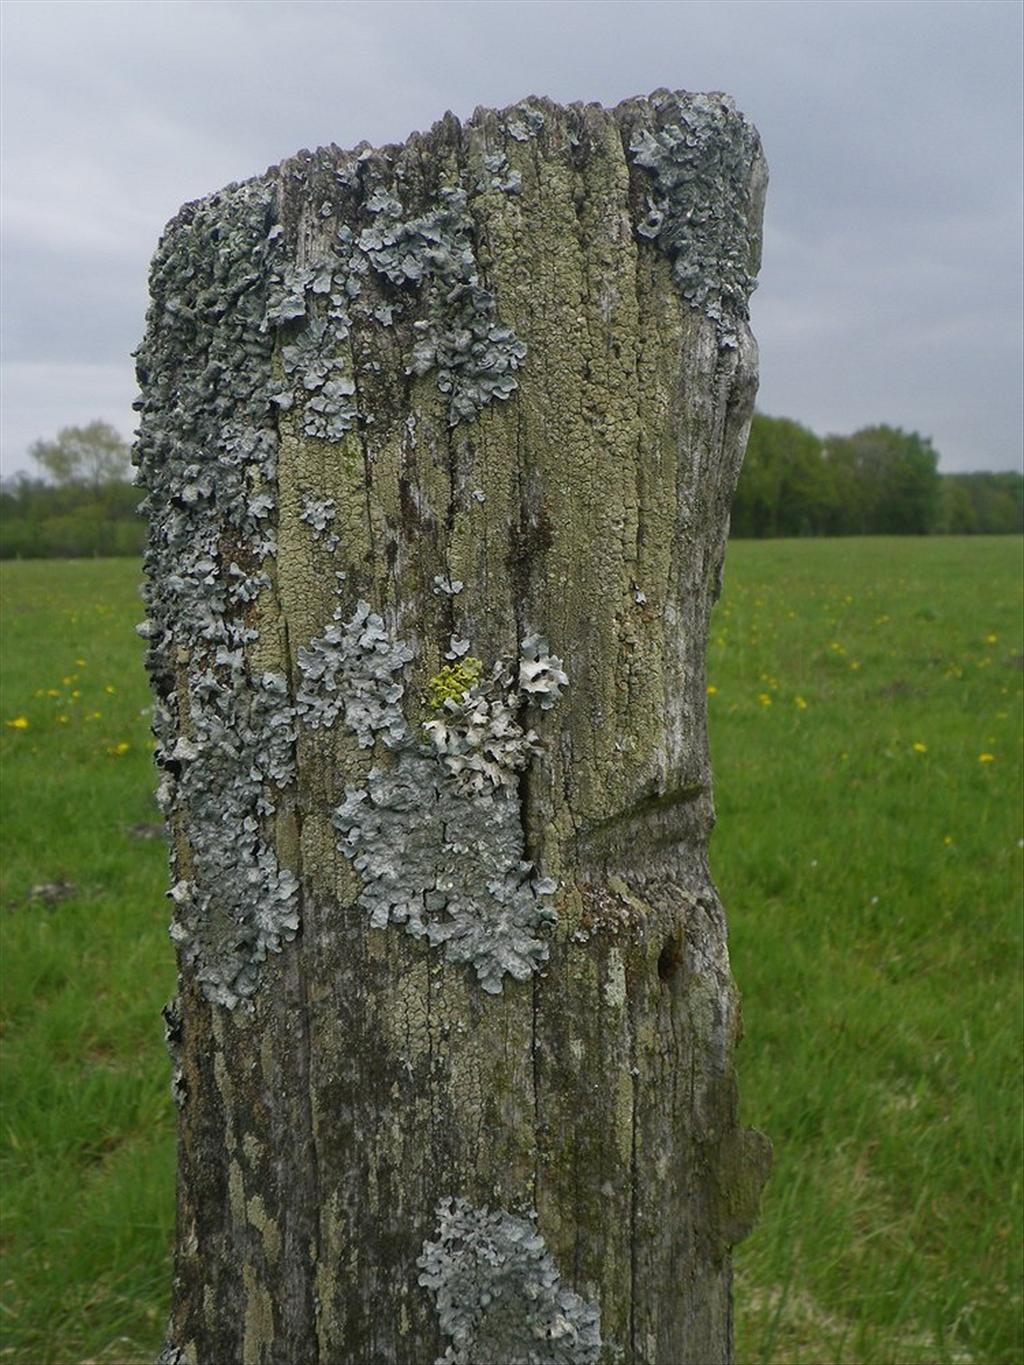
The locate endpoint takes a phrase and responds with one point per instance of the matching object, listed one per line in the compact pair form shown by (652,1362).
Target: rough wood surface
(500,380)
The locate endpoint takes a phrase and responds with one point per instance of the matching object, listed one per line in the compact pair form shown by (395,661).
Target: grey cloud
(891,281)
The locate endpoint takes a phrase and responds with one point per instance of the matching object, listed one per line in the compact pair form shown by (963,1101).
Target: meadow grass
(88,1124)
(865,718)
(869,858)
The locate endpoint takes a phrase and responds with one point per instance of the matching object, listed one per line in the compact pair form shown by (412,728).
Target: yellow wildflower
(986,758)
(799,701)
(712,689)
(18,723)
(991,639)
(920,748)
(764,699)
(110,688)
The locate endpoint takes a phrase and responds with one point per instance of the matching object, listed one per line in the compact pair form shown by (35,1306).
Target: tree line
(879,481)
(82,504)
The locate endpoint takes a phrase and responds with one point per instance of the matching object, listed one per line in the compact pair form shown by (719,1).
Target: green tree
(998,501)
(784,487)
(92,455)
(959,516)
(85,506)
(887,482)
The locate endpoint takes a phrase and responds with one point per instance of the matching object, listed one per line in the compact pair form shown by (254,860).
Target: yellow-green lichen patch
(453,682)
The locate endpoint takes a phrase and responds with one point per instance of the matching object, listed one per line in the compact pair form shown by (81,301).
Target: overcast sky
(891,282)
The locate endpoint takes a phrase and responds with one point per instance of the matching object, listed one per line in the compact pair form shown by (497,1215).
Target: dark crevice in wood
(670,958)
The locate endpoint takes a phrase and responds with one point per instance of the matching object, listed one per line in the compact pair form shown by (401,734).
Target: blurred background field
(864,702)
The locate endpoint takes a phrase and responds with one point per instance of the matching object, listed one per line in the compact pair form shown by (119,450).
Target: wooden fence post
(439,441)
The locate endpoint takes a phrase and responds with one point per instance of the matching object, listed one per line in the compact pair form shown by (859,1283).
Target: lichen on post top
(252,328)
(243,331)
(698,151)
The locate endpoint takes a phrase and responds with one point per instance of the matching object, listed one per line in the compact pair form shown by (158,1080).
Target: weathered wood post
(439,443)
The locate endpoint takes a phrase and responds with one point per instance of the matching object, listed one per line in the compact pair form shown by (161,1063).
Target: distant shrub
(879,481)
(72,521)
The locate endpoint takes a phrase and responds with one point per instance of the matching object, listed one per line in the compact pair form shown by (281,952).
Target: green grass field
(865,702)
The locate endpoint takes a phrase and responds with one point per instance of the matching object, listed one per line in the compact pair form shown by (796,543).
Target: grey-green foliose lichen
(478,735)
(206,452)
(447,865)
(526,123)
(320,373)
(319,515)
(352,670)
(498,1293)
(237,904)
(475,357)
(436,833)
(429,262)
(699,153)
